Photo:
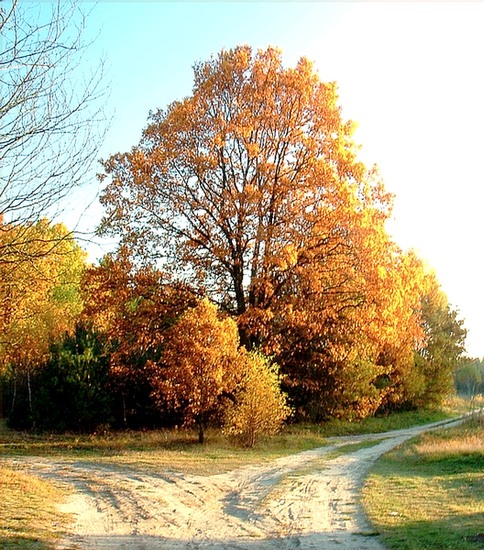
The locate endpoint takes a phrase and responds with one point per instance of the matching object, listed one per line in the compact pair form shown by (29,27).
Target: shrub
(260,407)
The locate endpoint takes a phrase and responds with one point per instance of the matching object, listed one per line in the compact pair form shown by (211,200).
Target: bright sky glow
(410,73)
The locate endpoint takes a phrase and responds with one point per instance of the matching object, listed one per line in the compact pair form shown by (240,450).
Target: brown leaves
(135,307)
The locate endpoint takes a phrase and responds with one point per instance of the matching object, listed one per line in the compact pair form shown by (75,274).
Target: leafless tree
(51,113)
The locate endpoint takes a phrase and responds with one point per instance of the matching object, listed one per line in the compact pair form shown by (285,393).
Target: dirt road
(304,501)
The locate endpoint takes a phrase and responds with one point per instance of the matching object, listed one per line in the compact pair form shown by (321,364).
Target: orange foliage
(247,182)
(199,362)
(134,307)
(251,189)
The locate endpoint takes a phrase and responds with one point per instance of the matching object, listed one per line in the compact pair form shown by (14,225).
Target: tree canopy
(245,219)
(248,181)
(39,295)
(251,190)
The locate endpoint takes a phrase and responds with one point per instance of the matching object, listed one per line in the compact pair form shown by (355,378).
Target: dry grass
(457,443)
(158,449)
(435,448)
(29,515)
(462,405)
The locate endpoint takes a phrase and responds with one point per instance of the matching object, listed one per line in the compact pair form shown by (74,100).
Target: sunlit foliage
(247,183)
(200,363)
(245,218)
(39,297)
(251,190)
(259,407)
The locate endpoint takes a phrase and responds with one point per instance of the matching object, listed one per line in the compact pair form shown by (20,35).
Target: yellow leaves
(39,289)
(260,408)
(285,258)
(253,149)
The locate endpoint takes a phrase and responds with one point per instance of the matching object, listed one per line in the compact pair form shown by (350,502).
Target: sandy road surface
(304,501)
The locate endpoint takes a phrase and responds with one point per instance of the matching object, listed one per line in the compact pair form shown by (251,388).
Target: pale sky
(410,73)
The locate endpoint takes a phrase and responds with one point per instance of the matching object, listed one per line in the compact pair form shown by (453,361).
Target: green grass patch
(29,517)
(352,448)
(429,493)
(379,424)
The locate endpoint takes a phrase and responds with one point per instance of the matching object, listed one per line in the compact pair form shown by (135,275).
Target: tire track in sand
(306,501)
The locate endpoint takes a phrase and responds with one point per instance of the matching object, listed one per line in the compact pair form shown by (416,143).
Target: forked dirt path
(304,501)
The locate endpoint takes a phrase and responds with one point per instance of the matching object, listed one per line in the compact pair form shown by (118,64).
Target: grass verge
(29,515)
(380,424)
(179,450)
(157,449)
(429,493)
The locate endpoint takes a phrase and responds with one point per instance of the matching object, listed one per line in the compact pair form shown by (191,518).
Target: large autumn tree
(245,183)
(251,189)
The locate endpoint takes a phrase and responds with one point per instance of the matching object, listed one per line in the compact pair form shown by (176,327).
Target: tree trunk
(201,435)
(14,394)
(125,419)
(29,387)
(238,278)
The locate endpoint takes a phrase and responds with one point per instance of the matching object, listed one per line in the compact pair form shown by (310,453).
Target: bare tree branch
(51,111)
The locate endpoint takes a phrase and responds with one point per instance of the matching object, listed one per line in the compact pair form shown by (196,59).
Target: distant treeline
(469,377)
